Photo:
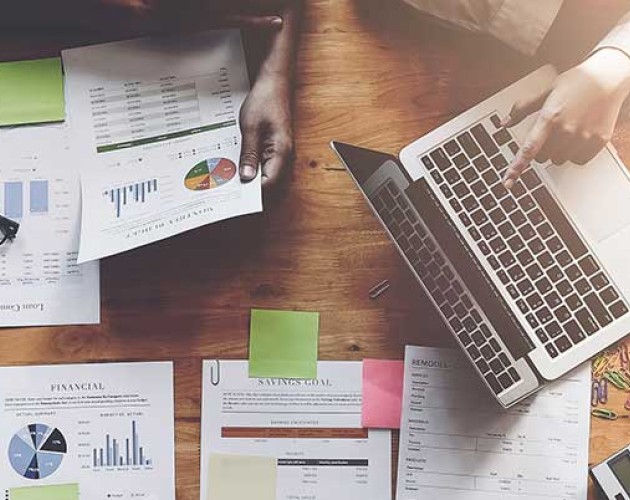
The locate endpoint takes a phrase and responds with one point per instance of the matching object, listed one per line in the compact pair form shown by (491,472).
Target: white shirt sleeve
(521,24)
(619,37)
(524,25)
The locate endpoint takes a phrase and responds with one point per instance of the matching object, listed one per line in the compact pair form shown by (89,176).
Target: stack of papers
(149,150)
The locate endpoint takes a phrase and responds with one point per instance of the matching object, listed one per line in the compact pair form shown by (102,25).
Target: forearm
(283,47)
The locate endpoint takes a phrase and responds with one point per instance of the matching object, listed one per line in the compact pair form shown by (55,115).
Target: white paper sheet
(458,444)
(312,427)
(62,425)
(155,125)
(40,281)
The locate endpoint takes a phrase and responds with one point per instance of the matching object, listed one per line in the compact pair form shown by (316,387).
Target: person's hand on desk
(266,125)
(577,114)
(266,116)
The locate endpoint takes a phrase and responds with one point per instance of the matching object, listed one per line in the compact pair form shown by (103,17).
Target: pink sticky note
(382,393)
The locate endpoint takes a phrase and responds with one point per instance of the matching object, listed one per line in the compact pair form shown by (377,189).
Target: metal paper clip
(215,373)
(599,392)
(623,356)
(380,289)
(599,365)
(602,393)
(595,394)
(604,413)
(617,380)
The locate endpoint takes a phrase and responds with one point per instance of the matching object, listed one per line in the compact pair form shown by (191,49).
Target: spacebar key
(557,218)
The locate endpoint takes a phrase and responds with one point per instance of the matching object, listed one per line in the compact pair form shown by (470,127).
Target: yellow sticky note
(242,477)
(31,92)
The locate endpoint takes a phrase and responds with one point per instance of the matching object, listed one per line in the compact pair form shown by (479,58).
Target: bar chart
(132,194)
(127,452)
(17,201)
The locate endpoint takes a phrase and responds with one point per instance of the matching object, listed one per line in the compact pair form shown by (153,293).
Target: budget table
(371,73)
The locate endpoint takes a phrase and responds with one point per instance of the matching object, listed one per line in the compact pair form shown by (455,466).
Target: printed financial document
(155,124)
(306,432)
(87,432)
(456,443)
(40,280)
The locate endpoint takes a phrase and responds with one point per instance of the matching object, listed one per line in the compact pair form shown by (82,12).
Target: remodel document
(41,282)
(456,443)
(155,125)
(87,432)
(294,439)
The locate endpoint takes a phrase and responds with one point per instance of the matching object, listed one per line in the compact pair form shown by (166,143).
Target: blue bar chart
(127,452)
(15,200)
(132,194)
(39,197)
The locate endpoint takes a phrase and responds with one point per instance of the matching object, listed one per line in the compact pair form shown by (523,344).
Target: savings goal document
(311,429)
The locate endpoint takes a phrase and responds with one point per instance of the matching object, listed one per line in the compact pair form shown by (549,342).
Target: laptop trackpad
(596,196)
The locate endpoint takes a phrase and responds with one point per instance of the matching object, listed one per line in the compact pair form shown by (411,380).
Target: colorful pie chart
(210,174)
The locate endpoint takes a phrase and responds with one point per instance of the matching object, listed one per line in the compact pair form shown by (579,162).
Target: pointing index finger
(536,139)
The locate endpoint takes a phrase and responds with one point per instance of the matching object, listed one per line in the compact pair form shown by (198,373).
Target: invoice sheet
(87,432)
(456,443)
(310,428)
(155,124)
(40,280)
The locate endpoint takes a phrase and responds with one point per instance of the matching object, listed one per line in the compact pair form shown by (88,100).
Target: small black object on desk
(8,229)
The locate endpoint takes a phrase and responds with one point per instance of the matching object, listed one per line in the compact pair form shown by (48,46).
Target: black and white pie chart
(37,450)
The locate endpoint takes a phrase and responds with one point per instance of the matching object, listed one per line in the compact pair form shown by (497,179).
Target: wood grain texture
(371,73)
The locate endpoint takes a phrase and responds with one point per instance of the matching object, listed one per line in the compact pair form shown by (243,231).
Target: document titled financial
(456,443)
(155,124)
(87,432)
(40,280)
(289,439)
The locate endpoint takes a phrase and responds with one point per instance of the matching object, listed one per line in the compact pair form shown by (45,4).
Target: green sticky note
(283,344)
(239,477)
(57,492)
(31,92)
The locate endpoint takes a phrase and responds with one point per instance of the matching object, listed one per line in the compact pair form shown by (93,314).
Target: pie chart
(210,174)
(37,451)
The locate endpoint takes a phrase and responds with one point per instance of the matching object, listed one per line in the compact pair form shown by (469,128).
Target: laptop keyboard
(525,237)
(474,332)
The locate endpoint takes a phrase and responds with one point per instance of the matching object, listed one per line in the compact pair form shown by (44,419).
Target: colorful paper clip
(604,413)
(623,356)
(617,380)
(627,404)
(603,391)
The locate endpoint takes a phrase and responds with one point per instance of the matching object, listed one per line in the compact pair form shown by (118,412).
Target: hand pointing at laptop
(576,116)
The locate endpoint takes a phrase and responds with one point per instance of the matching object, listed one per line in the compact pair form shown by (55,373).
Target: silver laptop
(531,282)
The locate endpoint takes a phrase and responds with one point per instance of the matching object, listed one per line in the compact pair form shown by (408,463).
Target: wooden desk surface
(375,76)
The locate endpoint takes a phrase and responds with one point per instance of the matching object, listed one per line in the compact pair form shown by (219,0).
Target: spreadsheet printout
(41,282)
(310,429)
(457,443)
(155,129)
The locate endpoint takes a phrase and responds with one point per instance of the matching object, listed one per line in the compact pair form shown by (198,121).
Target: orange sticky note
(382,393)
